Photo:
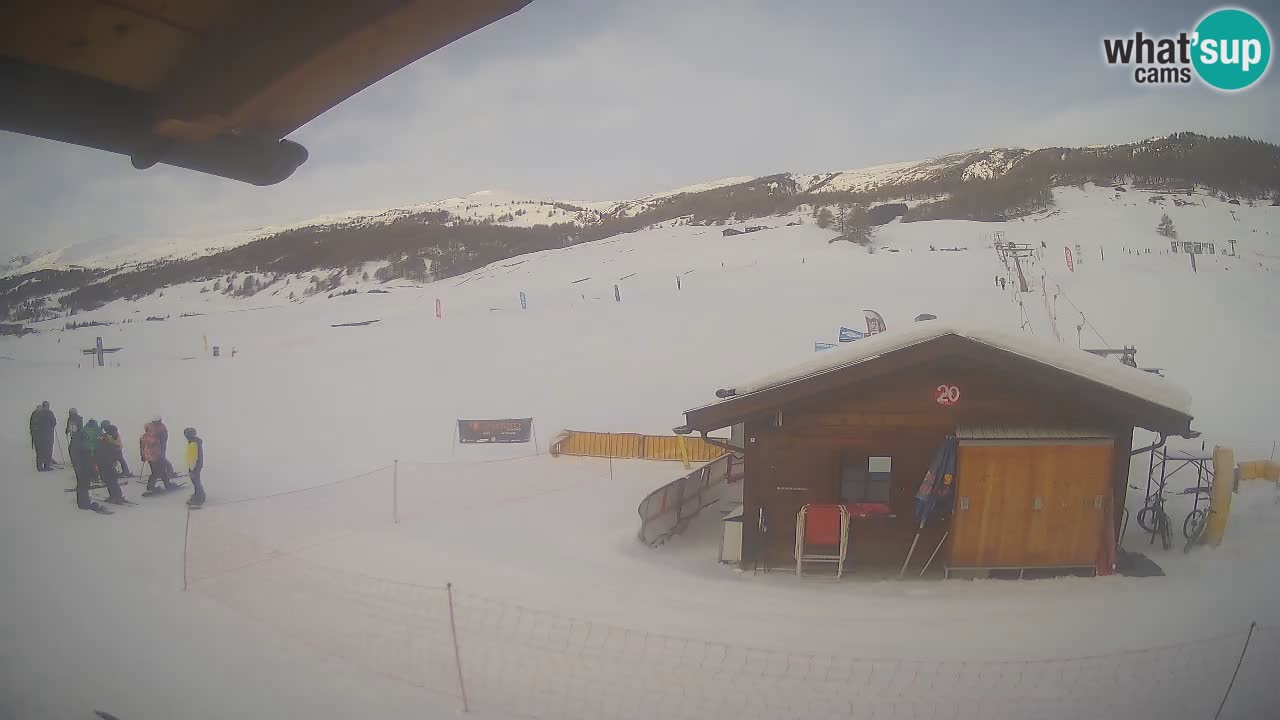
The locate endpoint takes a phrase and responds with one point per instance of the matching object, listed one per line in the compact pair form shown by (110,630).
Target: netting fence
(499,657)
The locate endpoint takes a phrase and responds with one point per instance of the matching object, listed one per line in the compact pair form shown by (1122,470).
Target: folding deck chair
(822,527)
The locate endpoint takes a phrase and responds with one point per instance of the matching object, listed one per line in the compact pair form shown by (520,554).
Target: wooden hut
(1044,441)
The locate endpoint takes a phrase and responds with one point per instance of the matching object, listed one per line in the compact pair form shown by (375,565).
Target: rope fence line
(504,658)
(531,663)
(295,491)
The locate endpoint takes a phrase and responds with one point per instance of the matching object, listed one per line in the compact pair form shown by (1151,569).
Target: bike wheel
(1196,530)
(1194,524)
(1166,532)
(1147,518)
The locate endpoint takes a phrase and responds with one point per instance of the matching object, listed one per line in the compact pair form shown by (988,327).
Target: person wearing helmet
(92,434)
(195,463)
(105,453)
(75,423)
(117,448)
(82,463)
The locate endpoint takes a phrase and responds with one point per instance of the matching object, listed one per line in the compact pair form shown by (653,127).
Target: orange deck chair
(822,527)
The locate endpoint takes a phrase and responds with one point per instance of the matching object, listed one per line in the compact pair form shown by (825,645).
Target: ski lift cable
(1083,317)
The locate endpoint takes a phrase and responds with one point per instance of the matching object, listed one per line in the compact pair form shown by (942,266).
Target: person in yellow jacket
(195,463)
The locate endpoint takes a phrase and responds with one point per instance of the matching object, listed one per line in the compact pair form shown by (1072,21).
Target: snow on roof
(1123,378)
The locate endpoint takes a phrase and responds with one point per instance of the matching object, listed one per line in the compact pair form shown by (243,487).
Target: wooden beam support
(274,70)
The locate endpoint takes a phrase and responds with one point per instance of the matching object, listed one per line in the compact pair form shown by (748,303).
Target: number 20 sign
(946,394)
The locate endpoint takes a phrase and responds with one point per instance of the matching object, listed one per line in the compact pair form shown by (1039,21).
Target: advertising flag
(875,323)
(849,334)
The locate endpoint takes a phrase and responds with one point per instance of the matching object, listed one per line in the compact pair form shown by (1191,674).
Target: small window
(867,479)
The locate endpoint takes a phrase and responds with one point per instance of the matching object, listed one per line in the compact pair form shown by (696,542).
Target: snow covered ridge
(1126,379)
(456,235)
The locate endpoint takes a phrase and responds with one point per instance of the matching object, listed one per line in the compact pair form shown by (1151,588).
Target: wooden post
(457,657)
(395,491)
(683,445)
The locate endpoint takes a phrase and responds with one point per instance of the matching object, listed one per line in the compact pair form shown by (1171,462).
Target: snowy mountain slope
(629,208)
(1237,164)
(973,165)
(819,286)
(485,206)
(303,403)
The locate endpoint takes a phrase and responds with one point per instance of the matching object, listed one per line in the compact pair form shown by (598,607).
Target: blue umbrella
(936,490)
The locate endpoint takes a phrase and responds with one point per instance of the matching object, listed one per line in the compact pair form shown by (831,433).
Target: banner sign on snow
(849,334)
(1070,265)
(517,430)
(524,303)
(437,308)
(820,346)
(875,323)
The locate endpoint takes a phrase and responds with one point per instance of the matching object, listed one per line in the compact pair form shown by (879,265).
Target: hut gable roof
(1152,401)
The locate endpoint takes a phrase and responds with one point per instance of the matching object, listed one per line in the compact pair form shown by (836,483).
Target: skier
(117,447)
(82,462)
(74,423)
(108,447)
(195,462)
(43,423)
(91,433)
(152,452)
(1002,283)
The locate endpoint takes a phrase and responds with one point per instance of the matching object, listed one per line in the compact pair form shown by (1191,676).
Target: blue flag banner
(820,346)
(849,334)
(524,303)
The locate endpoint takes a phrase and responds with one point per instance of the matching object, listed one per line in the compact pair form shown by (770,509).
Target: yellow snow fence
(633,445)
(1260,470)
(1220,496)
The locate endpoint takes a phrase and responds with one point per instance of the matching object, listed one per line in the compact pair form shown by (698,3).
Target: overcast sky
(610,99)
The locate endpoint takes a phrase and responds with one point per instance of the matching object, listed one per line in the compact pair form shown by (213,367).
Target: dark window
(866,479)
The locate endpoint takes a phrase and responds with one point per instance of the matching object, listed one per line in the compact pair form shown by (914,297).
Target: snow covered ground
(302,403)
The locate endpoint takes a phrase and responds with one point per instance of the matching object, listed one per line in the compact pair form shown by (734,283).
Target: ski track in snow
(302,404)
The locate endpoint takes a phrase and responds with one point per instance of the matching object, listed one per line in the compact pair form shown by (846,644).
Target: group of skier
(97,456)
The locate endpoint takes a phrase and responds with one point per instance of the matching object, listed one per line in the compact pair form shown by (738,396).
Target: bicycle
(1197,520)
(1194,526)
(1155,520)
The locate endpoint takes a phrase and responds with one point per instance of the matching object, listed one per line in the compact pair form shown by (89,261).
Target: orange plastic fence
(633,445)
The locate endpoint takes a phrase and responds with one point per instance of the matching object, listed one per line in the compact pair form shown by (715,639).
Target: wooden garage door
(1024,505)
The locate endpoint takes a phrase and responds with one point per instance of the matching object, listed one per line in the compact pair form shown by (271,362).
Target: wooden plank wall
(896,416)
(633,445)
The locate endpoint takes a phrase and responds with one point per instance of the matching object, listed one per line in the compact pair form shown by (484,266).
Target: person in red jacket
(151,448)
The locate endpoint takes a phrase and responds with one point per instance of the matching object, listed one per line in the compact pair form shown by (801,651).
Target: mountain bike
(1155,520)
